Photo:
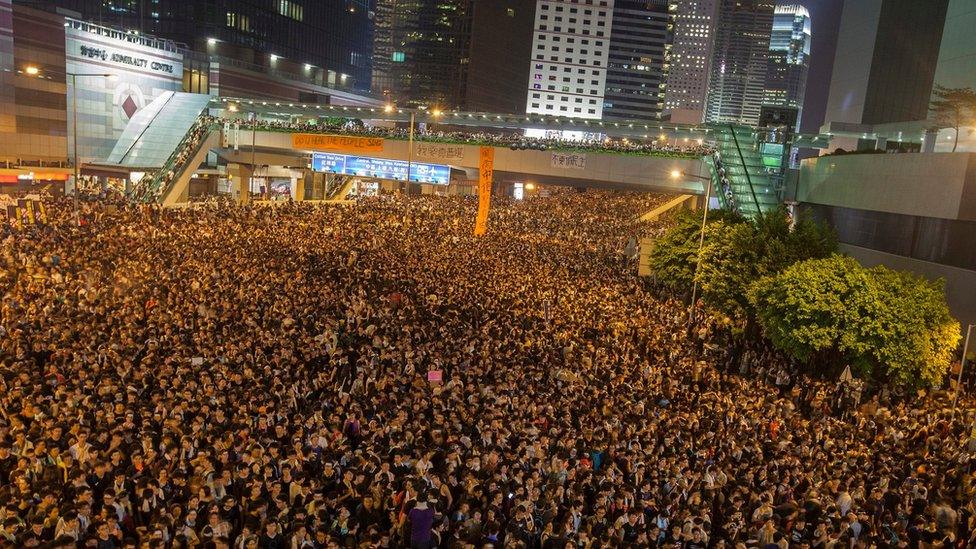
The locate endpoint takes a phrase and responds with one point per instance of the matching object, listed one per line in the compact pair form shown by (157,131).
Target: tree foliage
(739,256)
(833,312)
(952,108)
(823,309)
(913,335)
(675,255)
(803,310)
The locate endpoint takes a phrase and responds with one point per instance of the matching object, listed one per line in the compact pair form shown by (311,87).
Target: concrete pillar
(698,202)
(299,189)
(928,142)
(241,175)
(880,143)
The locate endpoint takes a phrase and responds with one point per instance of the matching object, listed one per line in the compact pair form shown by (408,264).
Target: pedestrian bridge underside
(591,169)
(739,169)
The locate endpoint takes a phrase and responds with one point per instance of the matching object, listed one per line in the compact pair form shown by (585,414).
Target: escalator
(746,174)
(339,188)
(169,182)
(175,191)
(156,130)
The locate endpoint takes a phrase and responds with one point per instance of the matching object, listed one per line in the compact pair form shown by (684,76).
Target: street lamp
(962,366)
(74,116)
(675,174)
(34,71)
(435,113)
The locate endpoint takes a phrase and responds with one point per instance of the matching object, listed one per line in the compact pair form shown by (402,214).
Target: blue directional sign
(381,168)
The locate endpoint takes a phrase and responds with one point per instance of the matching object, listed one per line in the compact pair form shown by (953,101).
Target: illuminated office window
(291,9)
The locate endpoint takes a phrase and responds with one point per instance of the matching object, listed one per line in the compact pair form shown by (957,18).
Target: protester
(259,377)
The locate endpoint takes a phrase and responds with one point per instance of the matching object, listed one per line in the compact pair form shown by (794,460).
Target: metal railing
(131,36)
(148,188)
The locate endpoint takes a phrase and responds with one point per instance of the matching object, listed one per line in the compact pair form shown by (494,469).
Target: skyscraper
(738,69)
(789,58)
(420,51)
(640,49)
(691,53)
(453,54)
(328,41)
(501,41)
(570,51)
(886,59)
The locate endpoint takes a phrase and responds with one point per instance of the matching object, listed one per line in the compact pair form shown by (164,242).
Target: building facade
(691,54)
(33,115)
(570,52)
(453,54)
(142,69)
(886,59)
(501,41)
(421,51)
(638,60)
(318,39)
(739,62)
(789,58)
(48,60)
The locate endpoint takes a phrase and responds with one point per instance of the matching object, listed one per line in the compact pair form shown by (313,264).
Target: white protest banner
(575,161)
(439,152)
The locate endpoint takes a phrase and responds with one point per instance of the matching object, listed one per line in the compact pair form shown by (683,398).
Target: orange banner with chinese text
(486,173)
(347,143)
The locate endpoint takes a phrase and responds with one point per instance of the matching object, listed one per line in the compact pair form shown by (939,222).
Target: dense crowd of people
(375,376)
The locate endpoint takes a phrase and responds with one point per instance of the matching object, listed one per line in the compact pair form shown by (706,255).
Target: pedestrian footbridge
(178,133)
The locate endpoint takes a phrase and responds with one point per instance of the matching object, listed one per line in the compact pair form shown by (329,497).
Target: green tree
(832,312)
(912,334)
(675,255)
(731,261)
(735,259)
(803,310)
(952,108)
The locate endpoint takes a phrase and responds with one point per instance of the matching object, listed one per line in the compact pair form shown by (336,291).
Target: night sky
(825,15)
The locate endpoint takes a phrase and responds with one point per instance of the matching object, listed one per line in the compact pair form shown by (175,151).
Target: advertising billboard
(381,168)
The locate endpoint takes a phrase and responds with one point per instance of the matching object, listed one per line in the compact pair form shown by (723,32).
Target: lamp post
(410,148)
(35,71)
(254,168)
(962,366)
(74,117)
(701,240)
(389,108)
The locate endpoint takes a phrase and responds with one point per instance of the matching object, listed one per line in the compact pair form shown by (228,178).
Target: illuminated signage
(126,59)
(381,168)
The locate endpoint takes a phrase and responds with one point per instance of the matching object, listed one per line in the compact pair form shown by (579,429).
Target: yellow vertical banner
(486,173)
(40,212)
